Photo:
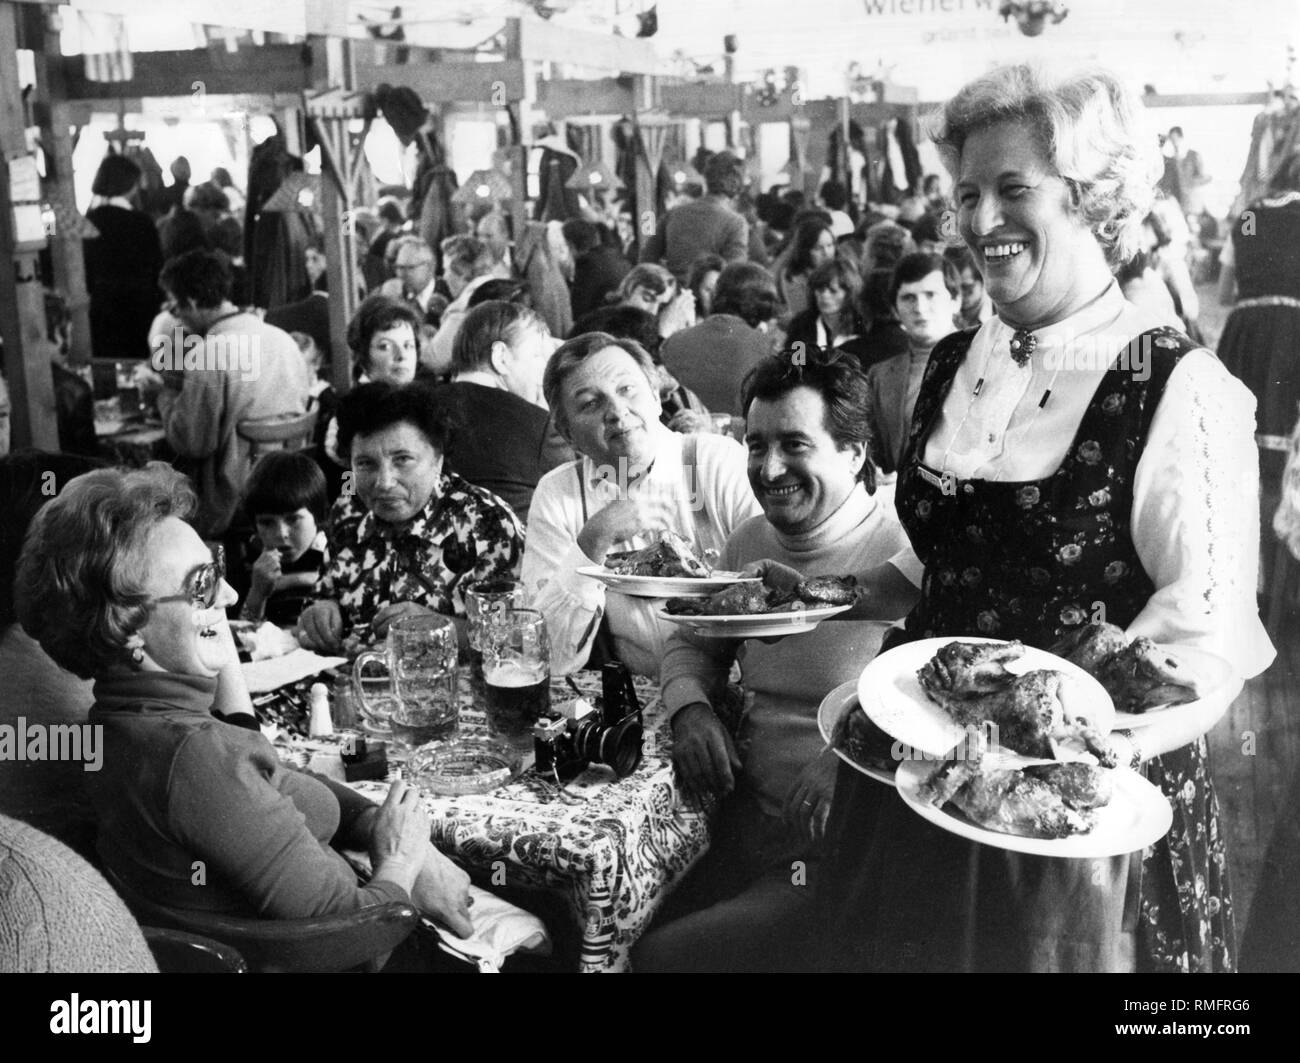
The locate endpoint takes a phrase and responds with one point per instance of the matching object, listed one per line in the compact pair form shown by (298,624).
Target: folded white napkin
(500,929)
(265,676)
(268,641)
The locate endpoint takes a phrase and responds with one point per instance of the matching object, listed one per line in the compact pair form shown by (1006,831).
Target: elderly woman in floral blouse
(410,536)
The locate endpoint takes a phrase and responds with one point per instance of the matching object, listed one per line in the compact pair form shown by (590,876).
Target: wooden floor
(1255,757)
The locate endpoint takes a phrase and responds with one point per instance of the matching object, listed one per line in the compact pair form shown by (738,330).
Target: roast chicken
(970,682)
(671,556)
(1137,675)
(751,599)
(1042,801)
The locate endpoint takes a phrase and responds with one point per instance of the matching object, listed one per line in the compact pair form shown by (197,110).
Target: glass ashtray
(464,766)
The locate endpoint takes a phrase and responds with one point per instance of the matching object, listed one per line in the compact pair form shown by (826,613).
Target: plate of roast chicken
(664,569)
(1007,745)
(754,610)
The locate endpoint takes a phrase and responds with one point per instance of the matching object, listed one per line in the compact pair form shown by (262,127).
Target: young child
(285,499)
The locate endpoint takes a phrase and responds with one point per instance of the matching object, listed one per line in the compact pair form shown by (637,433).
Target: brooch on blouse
(1023,345)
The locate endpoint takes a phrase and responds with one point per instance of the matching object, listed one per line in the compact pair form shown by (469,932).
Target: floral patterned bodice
(1032,560)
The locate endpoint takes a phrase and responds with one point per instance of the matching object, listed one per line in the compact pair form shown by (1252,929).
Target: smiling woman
(1040,485)
(195,813)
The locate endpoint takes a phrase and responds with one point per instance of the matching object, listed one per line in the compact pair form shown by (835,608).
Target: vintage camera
(608,733)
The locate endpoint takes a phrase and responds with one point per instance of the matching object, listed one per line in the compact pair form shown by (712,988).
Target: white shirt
(1195,521)
(666,498)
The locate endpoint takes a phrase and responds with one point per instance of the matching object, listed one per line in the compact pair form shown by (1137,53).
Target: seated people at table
(195,813)
(713,357)
(244,370)
(812,244)
(835,318)
(414,279)
(653,289)
(505,442)
(467,264)
(924,297)
(634,478)
(682,410)
(410,535)
(285,500)
(382,336)
(49,794)
(597,268)
(708,224)
(810,467)
(702,281)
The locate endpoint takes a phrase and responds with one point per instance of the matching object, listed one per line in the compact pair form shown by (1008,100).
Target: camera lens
(620,747)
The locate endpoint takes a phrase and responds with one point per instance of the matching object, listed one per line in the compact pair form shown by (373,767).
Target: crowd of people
(525,403)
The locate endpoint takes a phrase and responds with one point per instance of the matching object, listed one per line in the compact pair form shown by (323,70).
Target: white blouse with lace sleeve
(1196,517)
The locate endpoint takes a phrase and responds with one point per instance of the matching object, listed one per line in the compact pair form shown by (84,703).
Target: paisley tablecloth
(613,849)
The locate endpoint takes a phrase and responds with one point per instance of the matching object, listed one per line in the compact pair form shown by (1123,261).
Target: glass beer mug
(516,675)
(421,704)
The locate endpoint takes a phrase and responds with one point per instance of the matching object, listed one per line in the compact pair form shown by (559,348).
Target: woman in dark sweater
(196,811)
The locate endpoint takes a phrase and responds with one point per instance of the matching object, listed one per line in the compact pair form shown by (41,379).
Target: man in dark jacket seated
(597,269)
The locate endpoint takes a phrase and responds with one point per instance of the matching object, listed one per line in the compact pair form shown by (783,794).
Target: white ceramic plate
(892,696)
(844,699)
(760,625)
(665,586)
(1137,816)
(1216,677)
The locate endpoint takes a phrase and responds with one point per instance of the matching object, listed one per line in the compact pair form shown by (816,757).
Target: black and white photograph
(650,486)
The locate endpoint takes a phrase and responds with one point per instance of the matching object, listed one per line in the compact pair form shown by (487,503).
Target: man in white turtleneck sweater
(806,432)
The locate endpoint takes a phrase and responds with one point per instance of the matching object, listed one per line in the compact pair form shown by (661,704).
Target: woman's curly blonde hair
(1090,129)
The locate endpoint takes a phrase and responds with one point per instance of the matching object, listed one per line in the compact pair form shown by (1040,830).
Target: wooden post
(22,303)
(523,117)
(329,116)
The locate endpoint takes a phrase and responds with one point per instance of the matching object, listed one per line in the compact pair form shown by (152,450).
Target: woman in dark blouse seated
(197,813)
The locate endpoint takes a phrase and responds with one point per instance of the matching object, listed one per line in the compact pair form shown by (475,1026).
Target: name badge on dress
(946,482)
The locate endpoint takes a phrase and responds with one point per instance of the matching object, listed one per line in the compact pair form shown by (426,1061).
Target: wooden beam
(546,42)
(701,99)
(271,68)
(1208,99)
(22,303)
(563,99)
(495,84)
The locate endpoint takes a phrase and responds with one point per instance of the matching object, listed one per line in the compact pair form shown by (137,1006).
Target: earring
(136,645)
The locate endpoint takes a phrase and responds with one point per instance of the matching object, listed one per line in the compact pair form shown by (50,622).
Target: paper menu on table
(265,676)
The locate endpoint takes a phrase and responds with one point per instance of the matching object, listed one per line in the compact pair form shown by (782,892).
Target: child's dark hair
(285,481)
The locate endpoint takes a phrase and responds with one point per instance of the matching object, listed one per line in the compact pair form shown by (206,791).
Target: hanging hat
(403,109)
(483,186)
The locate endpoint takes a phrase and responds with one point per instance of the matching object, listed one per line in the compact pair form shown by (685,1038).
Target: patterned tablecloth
(611,848)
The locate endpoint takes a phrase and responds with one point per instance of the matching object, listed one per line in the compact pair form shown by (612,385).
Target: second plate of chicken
(934,694)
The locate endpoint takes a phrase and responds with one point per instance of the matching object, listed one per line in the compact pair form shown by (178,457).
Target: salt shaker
(321,725)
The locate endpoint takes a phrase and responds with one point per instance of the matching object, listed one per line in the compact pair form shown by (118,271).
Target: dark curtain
(435,183)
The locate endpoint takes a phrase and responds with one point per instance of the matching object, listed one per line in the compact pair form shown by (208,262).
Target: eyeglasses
(409,266)
(204,582)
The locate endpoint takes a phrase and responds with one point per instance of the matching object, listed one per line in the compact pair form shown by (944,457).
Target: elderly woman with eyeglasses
(196,810)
